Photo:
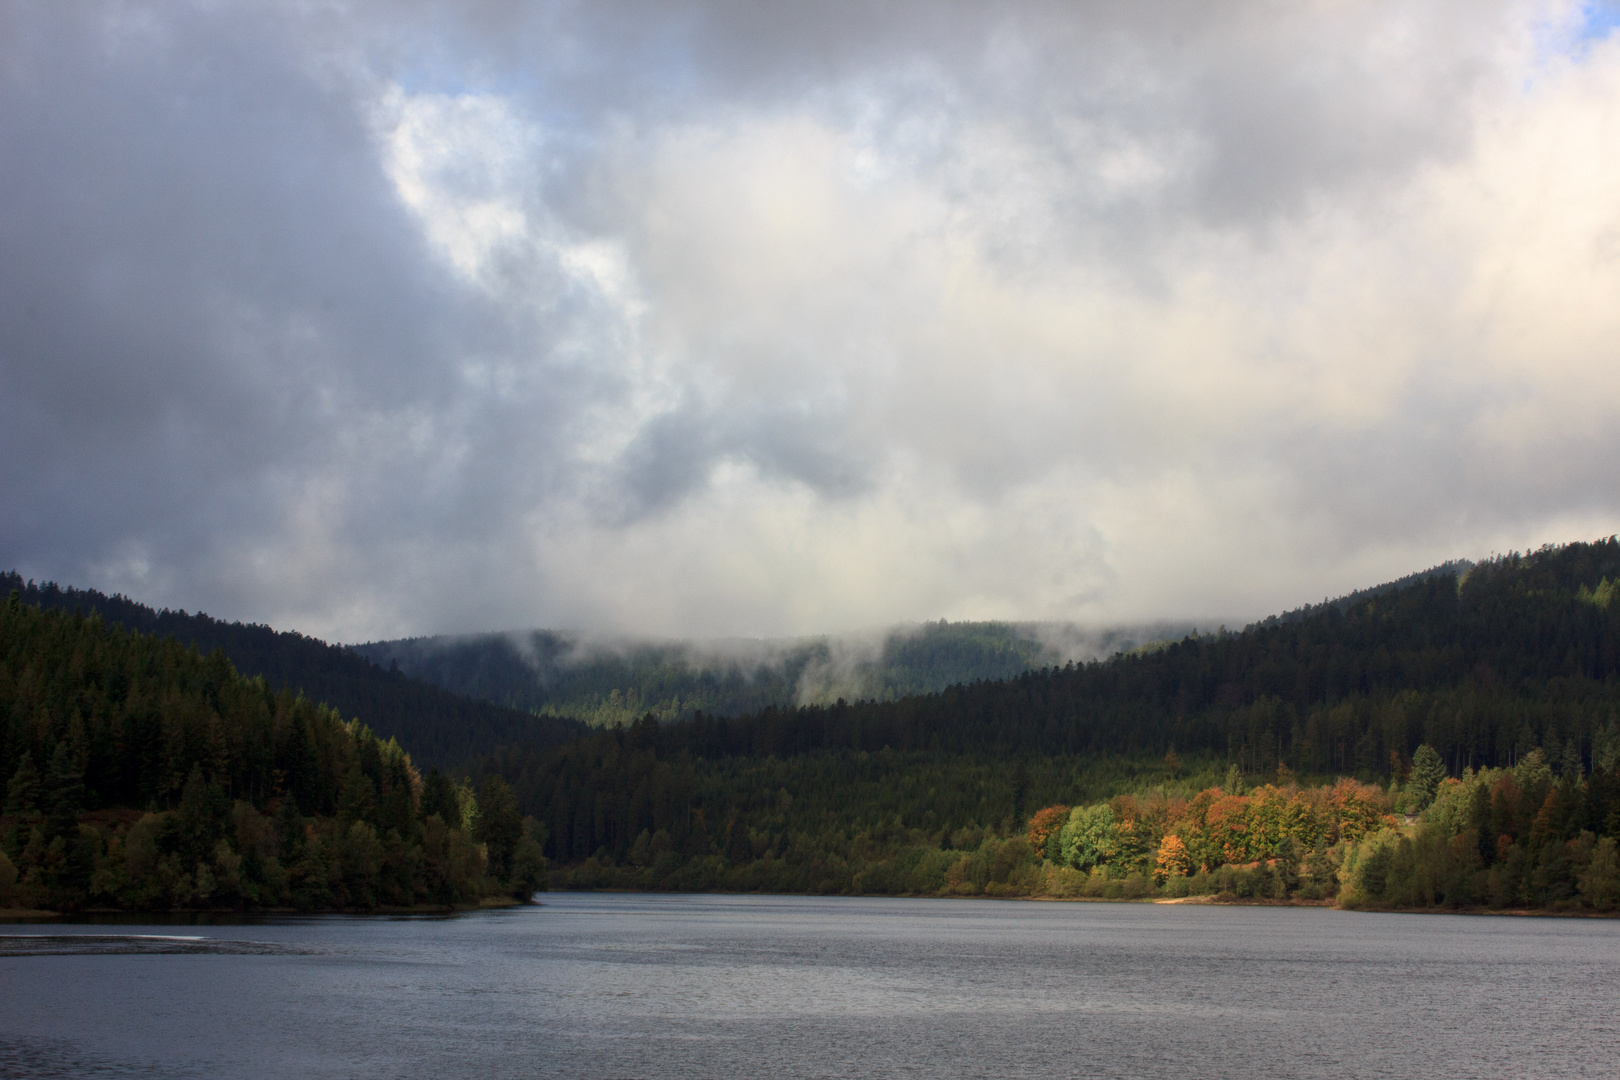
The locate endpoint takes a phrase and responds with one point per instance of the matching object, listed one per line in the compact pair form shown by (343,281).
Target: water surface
(625,986)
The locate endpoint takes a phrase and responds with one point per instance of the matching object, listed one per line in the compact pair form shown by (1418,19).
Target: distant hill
(437,727)
(610,684)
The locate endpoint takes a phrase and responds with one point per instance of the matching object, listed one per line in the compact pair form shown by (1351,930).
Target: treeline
(951,825)
(883,822)
(1525,838)
(441,728)
(597,795)
(142,774)
(875,822)
(1278,842)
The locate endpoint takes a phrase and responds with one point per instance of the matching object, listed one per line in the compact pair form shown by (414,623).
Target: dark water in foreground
(701,986)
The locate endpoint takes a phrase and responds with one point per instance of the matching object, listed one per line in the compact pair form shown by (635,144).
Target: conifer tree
(358,801)
(202,813)
(500,825)
(64,793)
(439,797)
(22,793)
(1427,771)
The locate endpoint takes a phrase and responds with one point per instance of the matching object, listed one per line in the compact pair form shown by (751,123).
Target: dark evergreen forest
(440,728)
(144,774)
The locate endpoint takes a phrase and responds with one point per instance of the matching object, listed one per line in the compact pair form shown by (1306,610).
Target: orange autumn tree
(1214,828)
(1045,825)
(1172,859)
(1227,826)
(1134,839)
(1354,810)
(1277,813)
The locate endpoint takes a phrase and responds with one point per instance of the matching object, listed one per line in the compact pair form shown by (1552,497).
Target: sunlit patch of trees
(142,774)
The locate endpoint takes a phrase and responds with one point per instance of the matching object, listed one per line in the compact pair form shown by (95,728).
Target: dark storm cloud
(201,266)
(213,296)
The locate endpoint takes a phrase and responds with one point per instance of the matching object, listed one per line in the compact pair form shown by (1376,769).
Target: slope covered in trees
(611,685)
(1486,666)
(143,774)
(441,728)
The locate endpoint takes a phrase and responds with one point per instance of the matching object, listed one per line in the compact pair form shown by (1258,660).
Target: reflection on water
(683,986)
(130,944)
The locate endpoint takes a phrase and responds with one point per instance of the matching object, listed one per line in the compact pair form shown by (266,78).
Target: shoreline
(1209,900)
(10,915)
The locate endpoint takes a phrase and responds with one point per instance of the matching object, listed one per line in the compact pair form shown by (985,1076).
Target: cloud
(733,319)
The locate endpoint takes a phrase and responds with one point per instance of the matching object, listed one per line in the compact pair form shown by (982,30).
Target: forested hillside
(1514,655)
(442,729)
(1481,702)
(1518,654)
(610,685)
(143,774)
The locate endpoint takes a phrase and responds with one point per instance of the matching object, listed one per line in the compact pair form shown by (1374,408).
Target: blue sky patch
(1600,19)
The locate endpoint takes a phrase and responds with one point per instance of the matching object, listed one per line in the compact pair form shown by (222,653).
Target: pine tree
(202,813)
(22,793)
(290,830)
(1234,780)
(358,801)
(500,825)
(439,797)
(1428,769)
(64,794)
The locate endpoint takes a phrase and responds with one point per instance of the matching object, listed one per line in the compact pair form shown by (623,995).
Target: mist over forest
(613,681)
(609,682)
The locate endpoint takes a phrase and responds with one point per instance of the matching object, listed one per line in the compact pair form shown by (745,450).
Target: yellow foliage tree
(1172,860)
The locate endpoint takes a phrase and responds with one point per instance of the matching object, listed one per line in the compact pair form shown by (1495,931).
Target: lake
(626,986)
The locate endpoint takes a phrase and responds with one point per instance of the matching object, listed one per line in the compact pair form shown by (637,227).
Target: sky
(383,319)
